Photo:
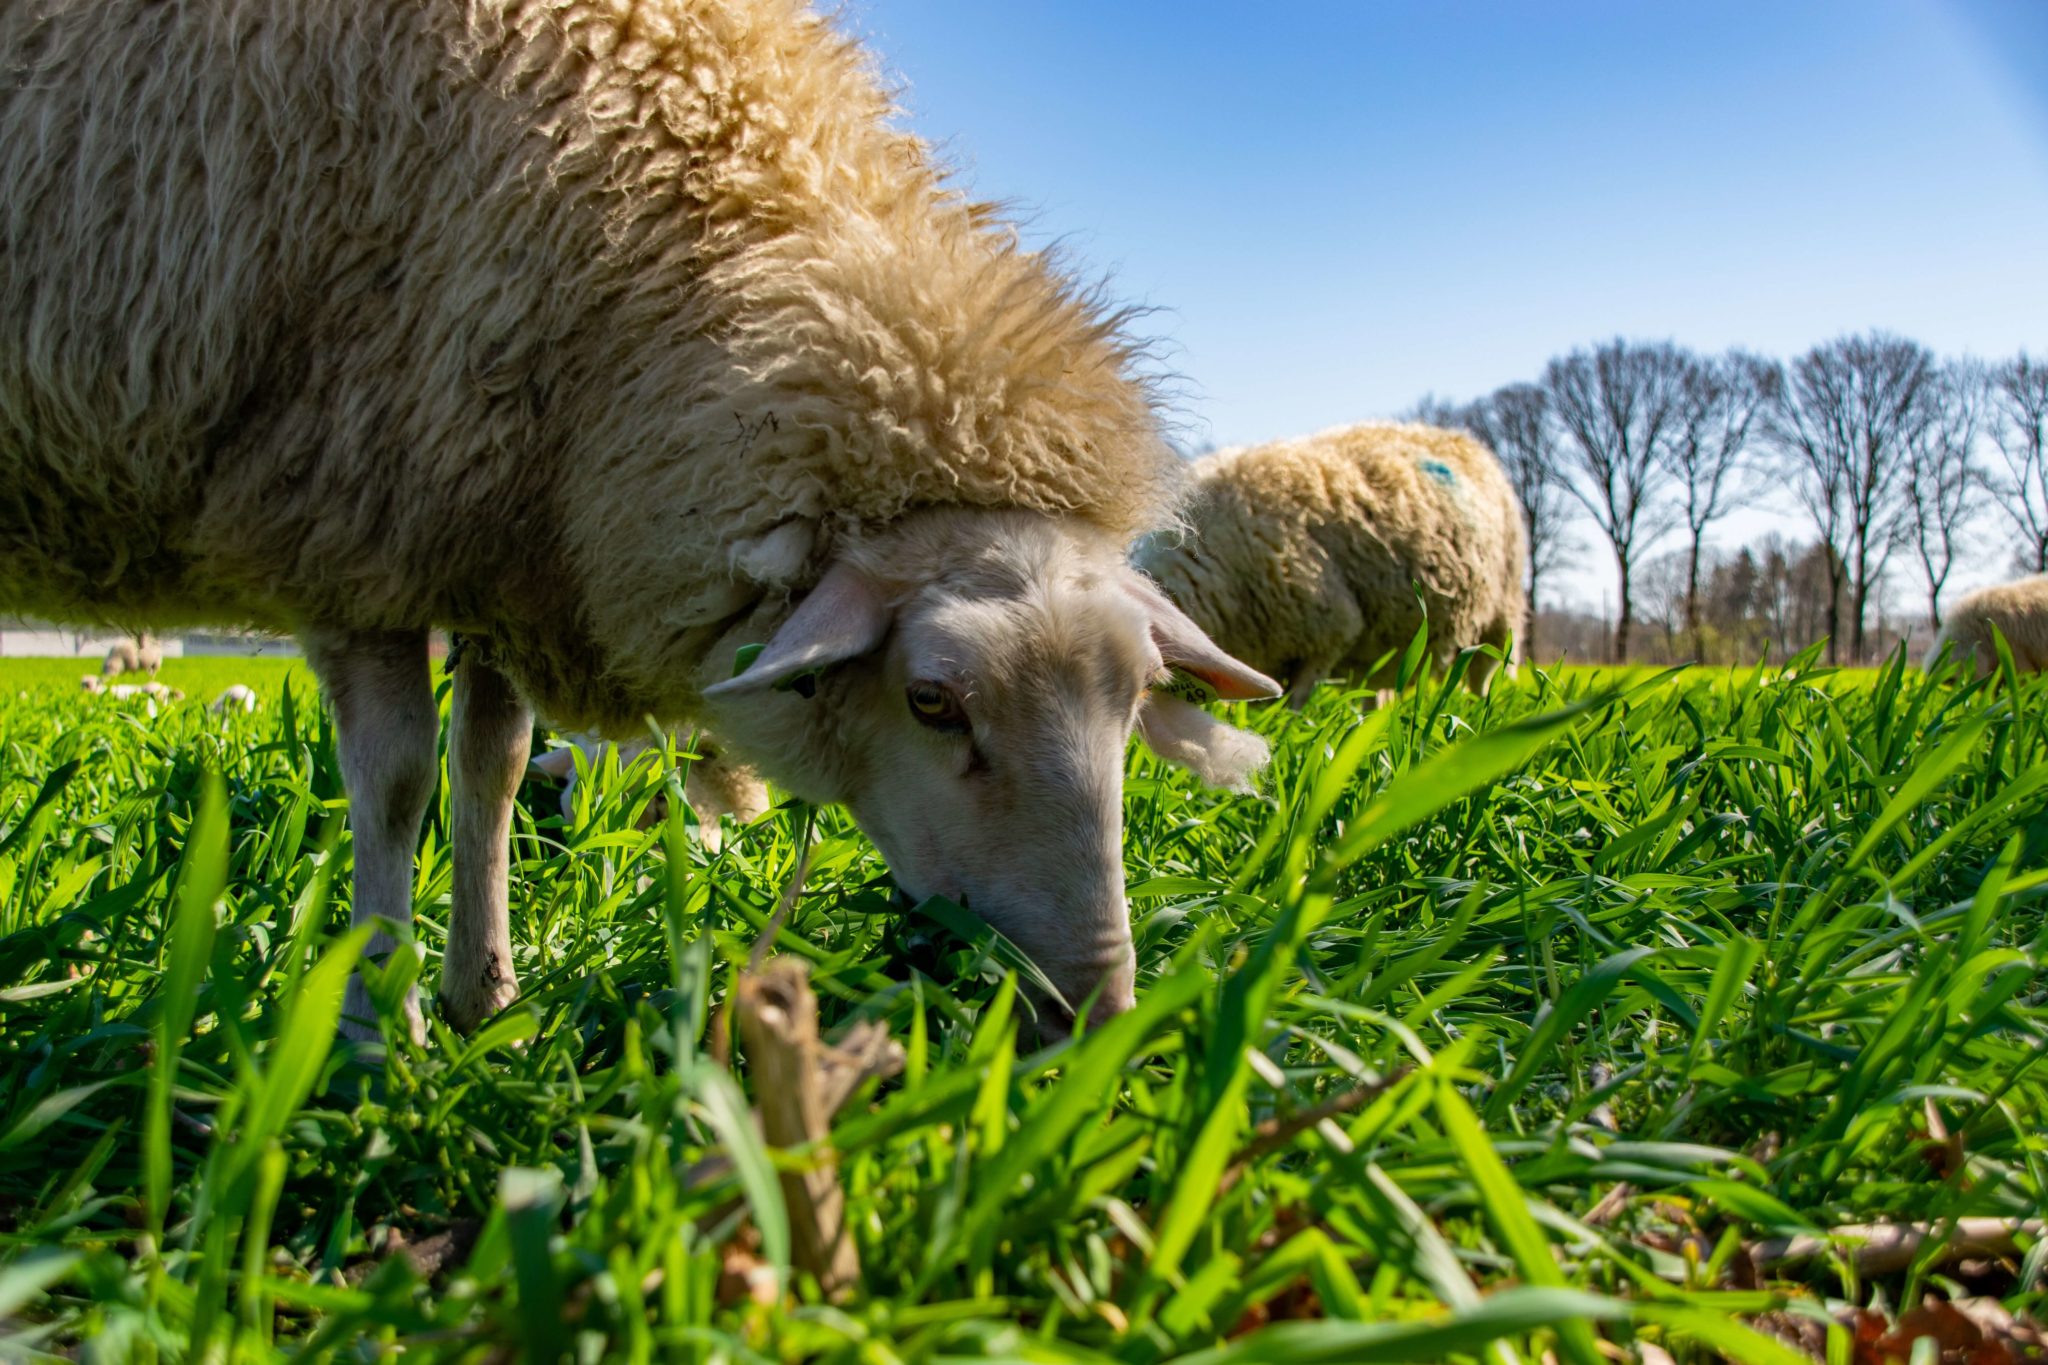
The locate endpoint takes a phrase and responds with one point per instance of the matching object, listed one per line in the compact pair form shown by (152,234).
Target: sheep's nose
(1115,988)
(1110,1004)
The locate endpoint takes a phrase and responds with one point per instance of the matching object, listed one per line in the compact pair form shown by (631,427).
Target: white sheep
(140,655)
(151,691)
(2018,609)
(714,785)
(236,697)
(148,693)
(614,338)
(1304,557)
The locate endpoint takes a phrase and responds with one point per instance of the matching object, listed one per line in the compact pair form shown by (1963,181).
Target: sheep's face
(975,720)
(992,769)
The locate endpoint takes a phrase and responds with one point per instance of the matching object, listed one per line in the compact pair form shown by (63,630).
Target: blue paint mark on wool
(1441,472)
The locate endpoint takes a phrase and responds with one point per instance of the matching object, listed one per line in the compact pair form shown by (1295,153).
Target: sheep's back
(210,365)
(587,327)
(2020,611)
(1384,507)
(303,306)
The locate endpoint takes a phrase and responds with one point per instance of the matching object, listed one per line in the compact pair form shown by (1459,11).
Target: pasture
(1578,1022)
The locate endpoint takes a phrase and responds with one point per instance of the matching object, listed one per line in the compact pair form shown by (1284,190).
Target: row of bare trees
(1769,598)
(1888,450)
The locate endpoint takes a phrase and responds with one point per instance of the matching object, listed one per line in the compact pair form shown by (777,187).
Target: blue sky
(1339,207)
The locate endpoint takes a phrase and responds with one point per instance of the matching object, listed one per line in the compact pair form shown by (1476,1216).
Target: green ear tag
(1187,687)
(805,685)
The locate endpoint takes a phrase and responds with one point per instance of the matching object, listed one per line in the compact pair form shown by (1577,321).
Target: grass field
(1575,1022)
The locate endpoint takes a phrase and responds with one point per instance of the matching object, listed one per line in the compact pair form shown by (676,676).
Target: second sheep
(1304,557)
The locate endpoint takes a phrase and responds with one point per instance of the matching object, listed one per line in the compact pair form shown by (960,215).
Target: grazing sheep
(1303,557)
(93,683)
(153,691)
(148,693)
(139,655)
(614,338)
(714,785)
(2020,611)
(237,697)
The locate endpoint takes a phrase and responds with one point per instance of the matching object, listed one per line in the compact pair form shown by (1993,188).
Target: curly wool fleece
(591,328)
(2018,609)
(1304,557)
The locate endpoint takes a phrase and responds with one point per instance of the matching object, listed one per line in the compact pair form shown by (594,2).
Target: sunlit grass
(1618,973)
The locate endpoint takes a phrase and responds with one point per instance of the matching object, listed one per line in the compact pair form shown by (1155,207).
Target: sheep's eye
(937,707)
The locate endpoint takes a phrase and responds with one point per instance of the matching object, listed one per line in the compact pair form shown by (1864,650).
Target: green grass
(201,678)
(1629,971)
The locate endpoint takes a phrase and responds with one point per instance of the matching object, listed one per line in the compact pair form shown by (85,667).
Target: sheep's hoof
(465,1009)
(359,1015)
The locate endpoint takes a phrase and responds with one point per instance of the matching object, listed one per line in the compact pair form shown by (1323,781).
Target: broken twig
(1275,1133)
(800,1082)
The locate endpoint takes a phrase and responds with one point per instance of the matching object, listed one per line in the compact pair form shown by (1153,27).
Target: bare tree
(1661,605)
(1515,422)
(2017,420)
(1719,401)
(1941,474)
(1796,592)
(1730,598)
(1433,411)
(1821,478)
(1846,420)
(1616,406)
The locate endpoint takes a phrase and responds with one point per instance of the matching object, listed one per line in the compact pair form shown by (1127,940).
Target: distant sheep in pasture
(153,690)
(1304,557)
(236,697)
(2018,609)
(139,655)
(148,693)
(714,785)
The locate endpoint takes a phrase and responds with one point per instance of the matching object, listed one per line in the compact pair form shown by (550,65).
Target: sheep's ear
(843,618)
(555,763)
(1205,673)
(1189,737)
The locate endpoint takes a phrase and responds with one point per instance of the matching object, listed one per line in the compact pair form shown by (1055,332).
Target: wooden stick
(865,1052)
(1610,1206)
(799,1082)
(1275,1133)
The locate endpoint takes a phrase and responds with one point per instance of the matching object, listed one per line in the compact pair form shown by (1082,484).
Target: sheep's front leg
(1302,687)
(490,739)
(382,694)
(717,787)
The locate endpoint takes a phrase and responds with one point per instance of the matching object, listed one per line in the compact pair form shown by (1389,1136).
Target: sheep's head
(966,684)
